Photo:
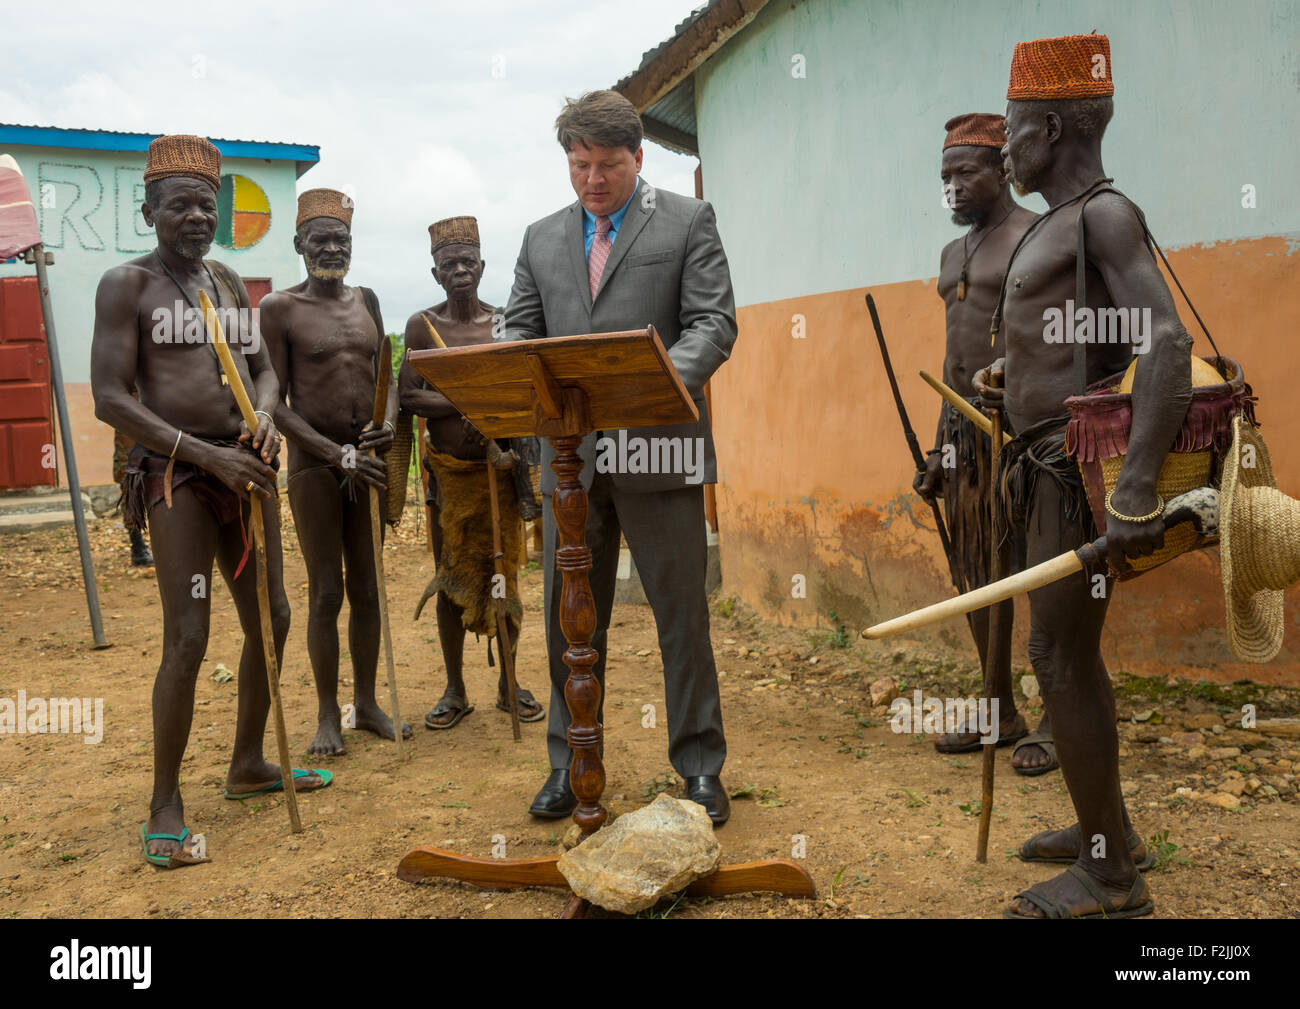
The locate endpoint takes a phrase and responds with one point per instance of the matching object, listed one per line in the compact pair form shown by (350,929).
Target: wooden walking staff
(383,382)
(259,549)
(998,631)
(503,627)
(962,406)
(498,566)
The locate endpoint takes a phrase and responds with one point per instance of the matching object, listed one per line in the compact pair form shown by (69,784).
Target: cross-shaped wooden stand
(561,389)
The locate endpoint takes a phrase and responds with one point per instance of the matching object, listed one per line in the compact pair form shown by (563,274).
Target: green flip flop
(175,860)
(278,786)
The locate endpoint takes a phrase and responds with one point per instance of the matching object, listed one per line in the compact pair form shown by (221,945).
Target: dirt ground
(889,825)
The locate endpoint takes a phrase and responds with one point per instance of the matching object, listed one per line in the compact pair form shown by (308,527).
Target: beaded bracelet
(1160,507)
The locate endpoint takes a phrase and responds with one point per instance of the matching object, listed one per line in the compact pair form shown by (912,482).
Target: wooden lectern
(563,388)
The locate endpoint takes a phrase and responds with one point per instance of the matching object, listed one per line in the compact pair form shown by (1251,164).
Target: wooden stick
(424,484)
(381,587)
(959,404)
(259,552)
(503,628)
(992,646)
(383,380)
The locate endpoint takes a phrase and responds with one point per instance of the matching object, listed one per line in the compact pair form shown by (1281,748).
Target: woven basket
(1097,437)
(397,463)
(1182,471)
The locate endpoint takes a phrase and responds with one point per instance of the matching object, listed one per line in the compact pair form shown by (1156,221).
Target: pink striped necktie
(600,247)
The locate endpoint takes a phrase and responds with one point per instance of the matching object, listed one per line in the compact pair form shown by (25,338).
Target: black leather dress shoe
(707,790)
(556,799)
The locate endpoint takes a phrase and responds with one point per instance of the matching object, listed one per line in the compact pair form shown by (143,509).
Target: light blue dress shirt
(615,221)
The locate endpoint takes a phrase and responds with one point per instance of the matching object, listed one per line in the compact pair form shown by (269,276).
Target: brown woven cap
(453,231)
(1259,546)
(1071,66)
(325,203)
(182,154)
(976,129)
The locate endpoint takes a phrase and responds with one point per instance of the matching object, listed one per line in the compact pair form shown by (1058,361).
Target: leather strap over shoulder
(1080,284)
(231,279)
(1081,291)
(372,306)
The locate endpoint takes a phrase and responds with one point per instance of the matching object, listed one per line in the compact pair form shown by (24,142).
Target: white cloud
(401,99)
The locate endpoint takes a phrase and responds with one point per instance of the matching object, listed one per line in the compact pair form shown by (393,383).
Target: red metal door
(257,288)
(26,422)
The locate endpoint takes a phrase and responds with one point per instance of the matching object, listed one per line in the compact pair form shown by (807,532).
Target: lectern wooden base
(485,383)
(772,875)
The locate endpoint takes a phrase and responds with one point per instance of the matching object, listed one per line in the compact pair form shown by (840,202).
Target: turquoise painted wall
(90,219)
(831,181)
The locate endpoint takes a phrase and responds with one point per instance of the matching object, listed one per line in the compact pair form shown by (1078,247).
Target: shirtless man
(323,338)
(192,469)
(1058,106)
(970,278)
(461,320)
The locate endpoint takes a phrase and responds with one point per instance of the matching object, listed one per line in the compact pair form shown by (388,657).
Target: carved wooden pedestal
(562,415)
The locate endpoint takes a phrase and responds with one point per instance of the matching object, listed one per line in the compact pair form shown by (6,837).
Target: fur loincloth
(465,564)
(967,504)
(144,485)
(1032,455)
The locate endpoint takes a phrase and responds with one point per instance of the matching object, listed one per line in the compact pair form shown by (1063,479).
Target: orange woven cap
(976,129)
(1072,66)
(182,154)
(324,203)
(453,231)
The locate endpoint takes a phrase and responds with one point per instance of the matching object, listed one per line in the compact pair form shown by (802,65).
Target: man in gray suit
(625,256)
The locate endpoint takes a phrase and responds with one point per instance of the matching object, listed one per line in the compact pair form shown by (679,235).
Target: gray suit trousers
(665,534)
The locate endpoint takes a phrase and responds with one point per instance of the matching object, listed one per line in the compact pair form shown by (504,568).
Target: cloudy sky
(427,110)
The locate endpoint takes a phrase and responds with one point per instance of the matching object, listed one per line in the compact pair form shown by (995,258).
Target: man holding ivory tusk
(1059,102)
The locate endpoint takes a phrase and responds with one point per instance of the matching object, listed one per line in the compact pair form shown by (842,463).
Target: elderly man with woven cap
(193,465)
(970,276)
(324,339)
(623,256)
(457,458)
(1088,248)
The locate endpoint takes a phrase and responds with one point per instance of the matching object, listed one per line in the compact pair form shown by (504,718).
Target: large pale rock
(883,691)
(656,850)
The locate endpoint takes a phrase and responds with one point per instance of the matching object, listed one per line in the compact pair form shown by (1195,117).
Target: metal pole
(65,435)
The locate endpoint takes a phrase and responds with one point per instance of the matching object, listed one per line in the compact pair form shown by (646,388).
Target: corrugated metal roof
(663,85)
(649,55)
(78,138)
(677,108)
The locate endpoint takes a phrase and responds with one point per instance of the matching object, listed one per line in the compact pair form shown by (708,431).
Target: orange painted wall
(815,476)
(92,438)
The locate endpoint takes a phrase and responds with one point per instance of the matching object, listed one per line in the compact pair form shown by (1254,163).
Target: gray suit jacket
(665,269)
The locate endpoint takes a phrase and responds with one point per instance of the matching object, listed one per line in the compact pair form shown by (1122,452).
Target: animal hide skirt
(465,564)
(967,501)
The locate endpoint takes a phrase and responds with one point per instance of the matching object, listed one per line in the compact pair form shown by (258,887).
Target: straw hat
(1259,548)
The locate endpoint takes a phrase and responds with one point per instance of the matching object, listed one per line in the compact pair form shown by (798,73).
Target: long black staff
(953,568)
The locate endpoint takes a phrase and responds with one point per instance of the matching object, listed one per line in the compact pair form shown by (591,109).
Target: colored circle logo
(243,212)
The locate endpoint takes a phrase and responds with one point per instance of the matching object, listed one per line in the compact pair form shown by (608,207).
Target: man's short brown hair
(599,119)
